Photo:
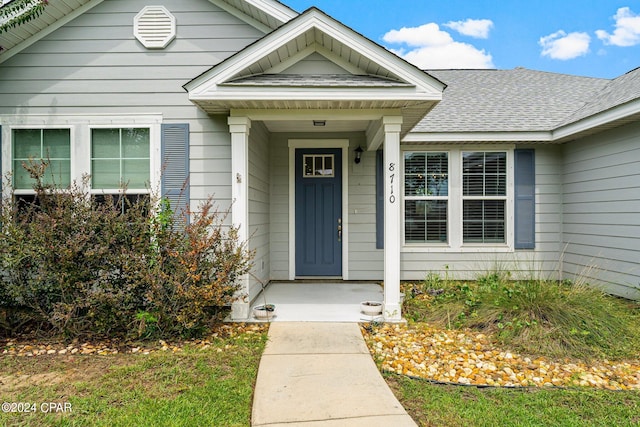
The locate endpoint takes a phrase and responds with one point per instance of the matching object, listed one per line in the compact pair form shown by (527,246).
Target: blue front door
(319,212)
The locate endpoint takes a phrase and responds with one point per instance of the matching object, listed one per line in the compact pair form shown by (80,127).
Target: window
(426,191)
(455,198)
(318,166)
(484,194)
(50,145)
(120,157)
(76,146)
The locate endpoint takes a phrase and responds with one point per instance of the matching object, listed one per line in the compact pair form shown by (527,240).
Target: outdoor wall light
(358,152)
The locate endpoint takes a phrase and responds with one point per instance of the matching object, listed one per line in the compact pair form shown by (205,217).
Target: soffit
(269,13)
(55,11)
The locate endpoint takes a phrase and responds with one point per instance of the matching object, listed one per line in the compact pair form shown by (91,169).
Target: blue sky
(597,38)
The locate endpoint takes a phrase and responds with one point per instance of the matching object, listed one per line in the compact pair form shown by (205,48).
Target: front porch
(313,301)
(298,104)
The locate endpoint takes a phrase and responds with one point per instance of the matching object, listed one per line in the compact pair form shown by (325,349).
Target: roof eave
(279,12)
(478,137)
(614,117)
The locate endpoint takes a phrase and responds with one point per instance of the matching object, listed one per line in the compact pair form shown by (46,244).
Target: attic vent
(154,27)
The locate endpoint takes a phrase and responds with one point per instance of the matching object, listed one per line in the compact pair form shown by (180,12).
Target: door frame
(318,143)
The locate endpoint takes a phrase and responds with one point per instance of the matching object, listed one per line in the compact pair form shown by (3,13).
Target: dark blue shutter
(175,167)
(379,200)
(525,198)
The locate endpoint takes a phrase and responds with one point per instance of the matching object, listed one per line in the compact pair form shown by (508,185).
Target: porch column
(392,218)
(239,128)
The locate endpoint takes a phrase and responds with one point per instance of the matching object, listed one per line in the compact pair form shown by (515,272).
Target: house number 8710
(392,168)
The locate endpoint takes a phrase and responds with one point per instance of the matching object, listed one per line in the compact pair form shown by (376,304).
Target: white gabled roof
(257,78)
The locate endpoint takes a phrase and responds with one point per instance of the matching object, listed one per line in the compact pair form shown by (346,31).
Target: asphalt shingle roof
(617,92)
(316,80)
(508,100)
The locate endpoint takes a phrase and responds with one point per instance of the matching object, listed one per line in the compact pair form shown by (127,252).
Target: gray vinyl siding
(279,206)
(259,207)
(366,262)
(94,65)
(541,262)
(601,210)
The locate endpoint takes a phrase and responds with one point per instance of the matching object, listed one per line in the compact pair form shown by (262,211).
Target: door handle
(339,229)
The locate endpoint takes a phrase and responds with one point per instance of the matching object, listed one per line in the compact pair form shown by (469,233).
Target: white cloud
(424,35)
(478,28)
(563,46)
(627,31)
(430,47)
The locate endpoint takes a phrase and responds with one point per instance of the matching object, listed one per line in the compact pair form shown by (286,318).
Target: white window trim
(152,187)
(7,161)
(454,213)
(80,133)
(447,198)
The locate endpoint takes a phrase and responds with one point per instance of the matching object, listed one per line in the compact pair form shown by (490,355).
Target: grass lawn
(442,405)
(194,387)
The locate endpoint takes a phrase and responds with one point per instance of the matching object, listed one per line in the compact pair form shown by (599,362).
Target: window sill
(502,248)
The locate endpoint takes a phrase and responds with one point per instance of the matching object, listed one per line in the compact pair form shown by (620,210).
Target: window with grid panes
(120,156)
(484,197)
(426,197)
(53,146)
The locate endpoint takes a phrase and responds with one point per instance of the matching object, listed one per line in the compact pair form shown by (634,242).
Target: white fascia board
(233,65)
(608,116)
(48,30)
(311,94)
(541,136)
(242,16)
(266,115)
(276,9)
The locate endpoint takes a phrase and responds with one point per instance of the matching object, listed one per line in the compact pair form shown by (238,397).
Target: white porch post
(392,218)
(239,128)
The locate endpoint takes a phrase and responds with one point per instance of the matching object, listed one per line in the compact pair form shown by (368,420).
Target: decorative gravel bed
(468,358)
(28,347)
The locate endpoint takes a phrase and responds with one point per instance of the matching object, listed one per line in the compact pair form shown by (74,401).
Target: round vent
(154,27)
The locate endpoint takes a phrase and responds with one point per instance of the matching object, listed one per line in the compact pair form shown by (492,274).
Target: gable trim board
(254,9)
(218,91)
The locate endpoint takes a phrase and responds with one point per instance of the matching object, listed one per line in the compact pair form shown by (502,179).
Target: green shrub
(80,266)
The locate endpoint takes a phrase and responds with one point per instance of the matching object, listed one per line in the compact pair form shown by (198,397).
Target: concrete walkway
(321,374)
